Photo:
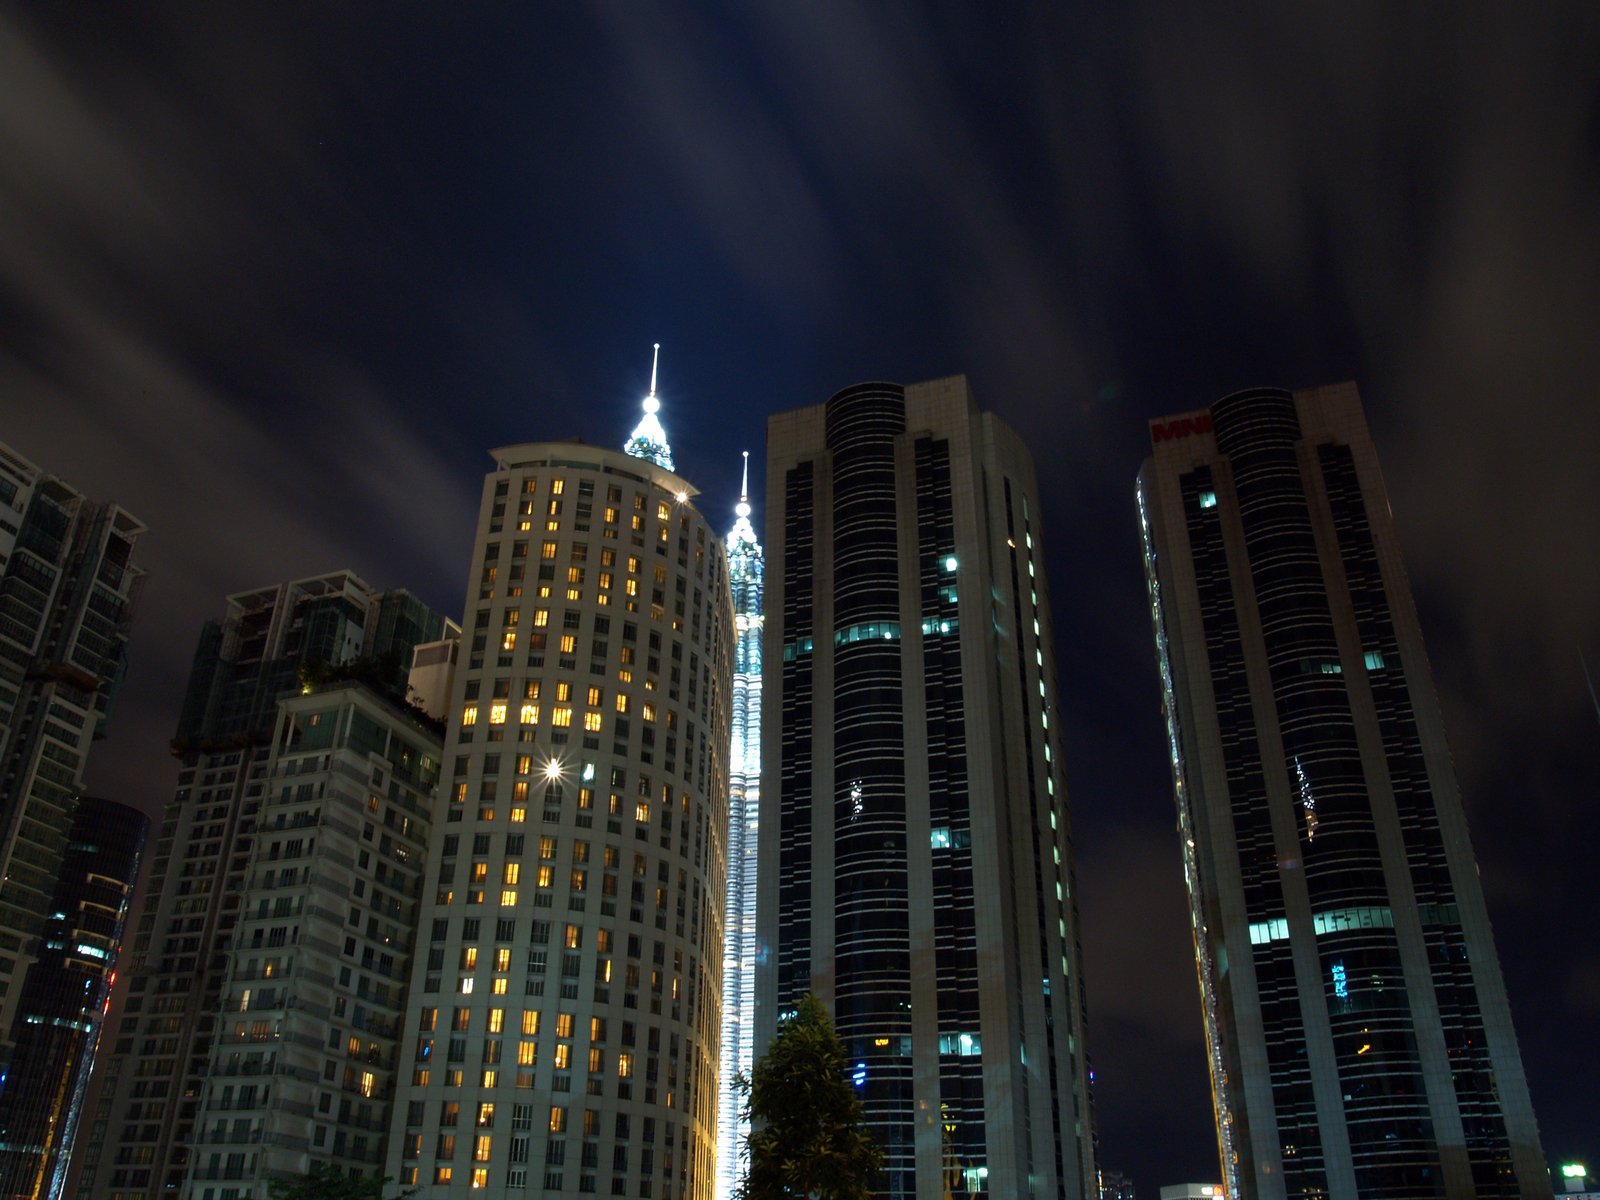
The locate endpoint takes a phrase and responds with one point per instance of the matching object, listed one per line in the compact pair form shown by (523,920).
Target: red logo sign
(1171,431)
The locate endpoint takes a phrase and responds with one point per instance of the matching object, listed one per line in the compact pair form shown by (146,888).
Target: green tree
(806,1137)
(326,1181)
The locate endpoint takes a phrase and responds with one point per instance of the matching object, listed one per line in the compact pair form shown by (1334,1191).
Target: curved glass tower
(1359,1038)
(916,859)
(746,572)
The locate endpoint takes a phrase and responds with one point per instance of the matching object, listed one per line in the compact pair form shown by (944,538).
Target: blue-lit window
(1374,660)
(1208,499)
(940,838)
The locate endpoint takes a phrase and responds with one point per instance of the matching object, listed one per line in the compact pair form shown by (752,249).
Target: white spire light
(649,438)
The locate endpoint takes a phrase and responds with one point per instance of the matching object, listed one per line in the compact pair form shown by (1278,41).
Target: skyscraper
(306,1059)
(67,592)
(915,854)
(746,573)
(565,1008)
(144,1126)
(1359,1037)
(64,999)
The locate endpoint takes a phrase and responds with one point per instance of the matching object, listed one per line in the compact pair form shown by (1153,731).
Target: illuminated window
(563,1025)
(508,897)
(527,1054)
(469,959)
(369,1083)
(497,713)
(480,872)
(624,1065)
(513,872)
(558,1119)
(641,812)
(548,550)
(529,716)
(569,642)
(563,1058)
(546,876)
(591,722)
(509,641)
(597,1060)
(606,581)
(442,1174)
(1208,499)
(622,702)
(561,717)
(483,1143)
(649,711)
(564,690)
(541,617)
(469,715)
(573,940)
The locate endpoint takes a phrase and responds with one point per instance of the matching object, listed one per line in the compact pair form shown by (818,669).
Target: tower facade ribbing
(1359,1037)
(746,575)
(915,850)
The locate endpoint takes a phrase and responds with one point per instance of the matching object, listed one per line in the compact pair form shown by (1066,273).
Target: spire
(649,439)
(742,533)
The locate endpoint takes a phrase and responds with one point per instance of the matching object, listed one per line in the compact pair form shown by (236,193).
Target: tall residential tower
(68,587)
(915,852)
(267,646)
(565,1006)
(1359,1037)
(746,572)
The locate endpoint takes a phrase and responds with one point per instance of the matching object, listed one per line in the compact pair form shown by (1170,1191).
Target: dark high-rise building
(566,995)
(64,999)
(68,587)
(916,864)
(1359,1038)
(271,643)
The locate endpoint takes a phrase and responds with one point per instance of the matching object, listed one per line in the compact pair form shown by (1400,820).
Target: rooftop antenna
(649,439)
(651,404)
(743,507)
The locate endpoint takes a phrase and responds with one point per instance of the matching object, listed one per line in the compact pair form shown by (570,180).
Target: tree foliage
(807,1137)
(326,1181)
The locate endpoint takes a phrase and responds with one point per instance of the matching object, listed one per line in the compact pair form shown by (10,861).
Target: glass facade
(746,574)
(918,813)
(1348,1043)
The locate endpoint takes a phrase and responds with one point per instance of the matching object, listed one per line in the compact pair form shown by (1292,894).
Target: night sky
(275,277)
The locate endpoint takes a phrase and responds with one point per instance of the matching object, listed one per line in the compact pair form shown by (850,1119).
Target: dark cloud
(276,278)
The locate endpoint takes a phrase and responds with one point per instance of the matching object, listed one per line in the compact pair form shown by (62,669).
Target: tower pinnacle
(649,439)
(742,533)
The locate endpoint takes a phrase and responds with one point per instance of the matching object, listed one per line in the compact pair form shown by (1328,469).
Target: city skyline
(242,246)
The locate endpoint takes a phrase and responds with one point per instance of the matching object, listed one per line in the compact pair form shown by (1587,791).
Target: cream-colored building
(562,1031)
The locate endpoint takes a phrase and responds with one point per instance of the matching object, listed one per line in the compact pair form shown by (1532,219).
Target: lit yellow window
(546,876)
(547,550)
(622,702)
(469,957)
(573,941)
(557,486)
(497,1020)
(574,574)
(531,692)
(469,715)
(547,847)
(611,515)
(624,1065)
(563,1025)
(561,717)
(509,641)
(527,1054)
(529,716)
(564,690)
(524,764)
(591,722)
(597,1061)
(641,812)
(558,1118)
(638,521)
(596,697)
(662,511)
(632,589)
(597,1026)
(482,1146)
(508,897)
(649,711)
(480,872)
(513,872)
(563,1058)
(555,508)
(606,580)
(519,814)
(569,643)
(497,713)
(624,676)
(633,565)
(491,1077)
(541,617)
